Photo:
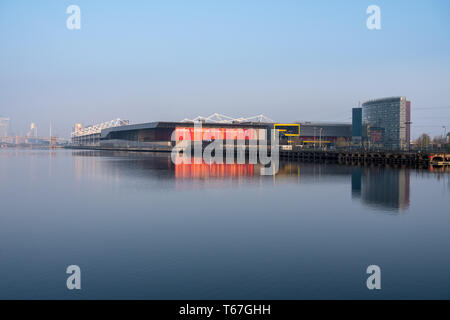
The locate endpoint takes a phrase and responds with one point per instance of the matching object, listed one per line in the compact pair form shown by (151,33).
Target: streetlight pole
(408,143)
(320,139)
(444,138)
(314,138)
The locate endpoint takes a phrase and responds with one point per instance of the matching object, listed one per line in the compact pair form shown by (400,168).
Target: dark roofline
(173,125)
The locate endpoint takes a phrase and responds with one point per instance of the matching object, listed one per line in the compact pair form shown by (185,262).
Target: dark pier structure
(359,157)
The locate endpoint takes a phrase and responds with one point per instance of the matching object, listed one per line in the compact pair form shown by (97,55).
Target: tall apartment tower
(388,122)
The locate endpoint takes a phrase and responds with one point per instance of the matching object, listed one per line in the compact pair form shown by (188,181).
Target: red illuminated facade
(214,170)
(208,134)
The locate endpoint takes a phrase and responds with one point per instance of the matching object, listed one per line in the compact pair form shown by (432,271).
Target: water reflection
(386,189)
(204,170)
(229,233)
(105,165)
(383,188)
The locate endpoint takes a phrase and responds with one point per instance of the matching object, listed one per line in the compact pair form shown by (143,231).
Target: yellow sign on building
(288,129)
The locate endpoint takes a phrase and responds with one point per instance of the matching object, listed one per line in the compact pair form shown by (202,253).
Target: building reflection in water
(158,170)
(312,172)
(387,189)
(384,188)
(111,165)
(214,170)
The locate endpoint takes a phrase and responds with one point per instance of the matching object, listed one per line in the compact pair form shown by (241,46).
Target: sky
(166,60)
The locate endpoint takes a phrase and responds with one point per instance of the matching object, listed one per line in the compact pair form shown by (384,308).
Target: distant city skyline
(166,61)
(4,126)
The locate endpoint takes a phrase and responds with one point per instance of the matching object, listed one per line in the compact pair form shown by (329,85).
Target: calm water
(139,227)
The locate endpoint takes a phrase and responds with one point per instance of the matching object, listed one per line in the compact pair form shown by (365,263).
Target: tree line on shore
(425,141)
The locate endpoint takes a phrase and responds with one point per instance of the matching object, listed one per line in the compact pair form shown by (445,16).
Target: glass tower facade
(387,122)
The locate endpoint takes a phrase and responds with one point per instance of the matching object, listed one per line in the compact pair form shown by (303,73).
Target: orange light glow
(207,134)
(204,170)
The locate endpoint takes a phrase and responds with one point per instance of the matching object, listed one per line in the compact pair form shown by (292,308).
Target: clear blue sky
(168,60)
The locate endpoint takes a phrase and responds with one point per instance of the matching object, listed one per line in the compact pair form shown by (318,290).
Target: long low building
(158,135)
(325,133)
(316,134)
